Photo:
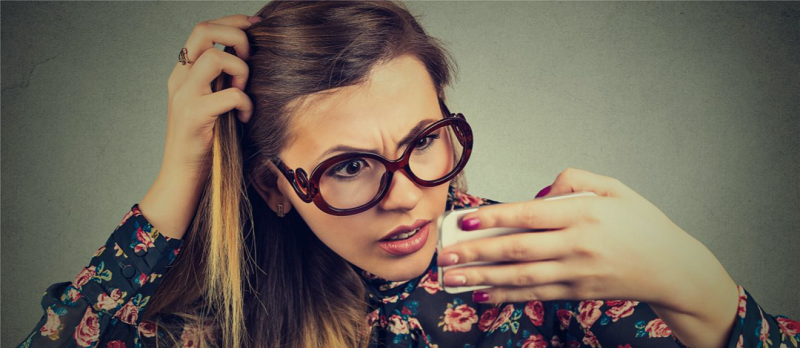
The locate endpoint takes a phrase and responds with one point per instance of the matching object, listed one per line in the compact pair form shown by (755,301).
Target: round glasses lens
(352,182)
(436,154)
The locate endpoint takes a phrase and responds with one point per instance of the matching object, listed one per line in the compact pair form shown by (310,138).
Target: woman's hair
(257,280)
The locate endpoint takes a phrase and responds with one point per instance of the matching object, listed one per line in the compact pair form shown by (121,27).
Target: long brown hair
(245,277)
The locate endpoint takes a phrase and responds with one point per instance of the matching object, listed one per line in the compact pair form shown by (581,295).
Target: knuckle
(516,251)
(526,215)
(201,27)
(523,279)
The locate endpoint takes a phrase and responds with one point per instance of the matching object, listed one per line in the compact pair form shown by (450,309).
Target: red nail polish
(544,191)
(479,296)
(470,224)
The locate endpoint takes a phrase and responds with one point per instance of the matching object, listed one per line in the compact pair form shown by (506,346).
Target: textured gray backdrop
(693,105)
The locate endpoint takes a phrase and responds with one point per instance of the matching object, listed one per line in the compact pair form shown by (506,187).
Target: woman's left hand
(616,246)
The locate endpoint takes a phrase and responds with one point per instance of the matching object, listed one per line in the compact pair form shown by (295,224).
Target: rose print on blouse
(146,329)
(620,309)
(588,313)
(653,329)
(109,301)
(129,313)
(70,296)
(143,237)
(430,282)
(534,341)
(116,344)
(789,328)
(506,320)
(535,312)
(52,328)
(466,200)
(458,317)
(88,331)
(762,332)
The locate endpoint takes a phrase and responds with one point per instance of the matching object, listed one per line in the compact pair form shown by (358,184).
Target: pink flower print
(487,318)
(657,328)
(115,344)
(763,335)
(53,326)
(147,329)
(742,302)
(109,301)
(564,317)
(128,313)
(535,311)
(459,318)
(84,276)
(430,282)
(503,317)
(573,344)
(99,251)
(589,312)
(620,309)
(71,296)
(590,339)
(534,341)
(397,325)
(134,211)
(372,317)
(145,240)
(740,343)
(788,326)
(88,331)
(467,200)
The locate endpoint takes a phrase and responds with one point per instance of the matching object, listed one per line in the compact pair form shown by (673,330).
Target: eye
(426,142)
(348,169)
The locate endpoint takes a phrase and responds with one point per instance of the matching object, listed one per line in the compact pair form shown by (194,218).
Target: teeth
(404,235)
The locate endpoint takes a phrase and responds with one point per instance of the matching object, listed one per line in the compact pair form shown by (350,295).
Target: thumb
(577,180)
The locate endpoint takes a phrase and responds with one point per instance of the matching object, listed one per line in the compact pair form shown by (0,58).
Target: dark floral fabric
(102,305)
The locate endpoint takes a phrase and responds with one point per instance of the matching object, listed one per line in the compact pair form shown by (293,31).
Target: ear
(271,194)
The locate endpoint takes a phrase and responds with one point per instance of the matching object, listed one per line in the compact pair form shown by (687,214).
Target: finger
(533,214)
(518,274)
(206,34)
(210,65)
(546,292)
(577,180)
(227,99)
(525,246)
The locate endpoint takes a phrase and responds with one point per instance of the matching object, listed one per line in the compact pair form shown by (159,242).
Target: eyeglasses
(353,182)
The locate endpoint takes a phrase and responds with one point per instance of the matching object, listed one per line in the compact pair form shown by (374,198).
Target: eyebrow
(406,139)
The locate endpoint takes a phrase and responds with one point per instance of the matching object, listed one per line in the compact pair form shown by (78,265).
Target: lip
(405,228)
(407,246)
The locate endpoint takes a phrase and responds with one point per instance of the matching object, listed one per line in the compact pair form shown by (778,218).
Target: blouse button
(128,271)
(140,252)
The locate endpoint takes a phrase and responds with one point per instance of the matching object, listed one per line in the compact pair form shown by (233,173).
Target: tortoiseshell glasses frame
(308,189)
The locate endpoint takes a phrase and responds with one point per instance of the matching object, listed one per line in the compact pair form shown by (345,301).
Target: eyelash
(338,168)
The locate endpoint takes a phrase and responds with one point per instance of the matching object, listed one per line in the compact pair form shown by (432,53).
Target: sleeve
(627,324)
(101,307)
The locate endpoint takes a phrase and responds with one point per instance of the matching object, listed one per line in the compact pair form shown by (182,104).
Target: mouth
(406,240)
(405,231)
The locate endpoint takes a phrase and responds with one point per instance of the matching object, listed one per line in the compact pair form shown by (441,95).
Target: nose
(403,193)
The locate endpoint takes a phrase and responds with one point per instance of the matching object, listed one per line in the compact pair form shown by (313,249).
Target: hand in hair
(193,109)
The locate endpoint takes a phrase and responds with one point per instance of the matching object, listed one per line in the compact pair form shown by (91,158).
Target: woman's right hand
(193,109)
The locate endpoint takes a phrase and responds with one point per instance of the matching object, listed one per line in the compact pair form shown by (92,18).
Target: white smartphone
(450,232)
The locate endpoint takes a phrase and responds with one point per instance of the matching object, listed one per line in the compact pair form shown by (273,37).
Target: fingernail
(254,19)
(448,260)
(544,191)
(454,280)
(470,224)
(479,296)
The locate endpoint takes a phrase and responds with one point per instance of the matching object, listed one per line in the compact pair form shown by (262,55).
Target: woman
(280,230)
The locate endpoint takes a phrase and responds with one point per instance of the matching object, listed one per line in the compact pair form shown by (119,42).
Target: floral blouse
(101,307)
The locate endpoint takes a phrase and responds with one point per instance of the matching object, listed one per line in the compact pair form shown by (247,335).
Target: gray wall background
(693,105)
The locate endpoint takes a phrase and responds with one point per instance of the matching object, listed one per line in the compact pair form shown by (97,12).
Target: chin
(406,268)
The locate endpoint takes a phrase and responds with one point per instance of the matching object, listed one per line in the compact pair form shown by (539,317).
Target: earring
(280,210)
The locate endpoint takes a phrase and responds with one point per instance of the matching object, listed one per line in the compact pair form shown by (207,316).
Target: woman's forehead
(396,96)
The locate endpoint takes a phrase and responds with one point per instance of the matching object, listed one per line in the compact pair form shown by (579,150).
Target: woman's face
(374,116)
